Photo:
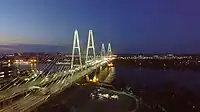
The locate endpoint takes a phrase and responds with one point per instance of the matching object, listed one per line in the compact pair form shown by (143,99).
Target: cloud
(34,48)
(7,48)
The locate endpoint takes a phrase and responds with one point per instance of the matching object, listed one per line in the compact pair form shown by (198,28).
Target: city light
(110,65)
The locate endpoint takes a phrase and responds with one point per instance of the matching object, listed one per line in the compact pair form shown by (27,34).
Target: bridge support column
(10,101)
(1,105)
(4,103)
(107,69)
(87,78)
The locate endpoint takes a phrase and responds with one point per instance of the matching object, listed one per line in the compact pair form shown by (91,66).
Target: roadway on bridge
(64,81)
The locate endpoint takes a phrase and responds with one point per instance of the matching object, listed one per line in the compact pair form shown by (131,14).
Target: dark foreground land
(78,99)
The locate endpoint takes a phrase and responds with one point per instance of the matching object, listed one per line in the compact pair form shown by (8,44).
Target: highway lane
(15,90)
(17,80)
(23,87)
(27,102)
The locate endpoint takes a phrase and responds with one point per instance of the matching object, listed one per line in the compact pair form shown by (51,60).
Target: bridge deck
(56,87)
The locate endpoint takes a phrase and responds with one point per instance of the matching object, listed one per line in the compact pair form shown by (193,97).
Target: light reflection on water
(111,75)
(107,75)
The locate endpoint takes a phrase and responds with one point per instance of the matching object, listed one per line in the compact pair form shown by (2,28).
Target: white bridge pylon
(90,46)
(76,45)
(103,51)
(109,49)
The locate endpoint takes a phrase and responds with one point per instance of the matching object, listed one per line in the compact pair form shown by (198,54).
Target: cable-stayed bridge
(22,97)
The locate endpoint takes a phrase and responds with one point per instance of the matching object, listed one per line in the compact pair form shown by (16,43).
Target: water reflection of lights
(29,66)
(110,76)
(106,75)
(33,66)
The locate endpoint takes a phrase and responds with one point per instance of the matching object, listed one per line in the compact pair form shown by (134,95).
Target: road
(27,102)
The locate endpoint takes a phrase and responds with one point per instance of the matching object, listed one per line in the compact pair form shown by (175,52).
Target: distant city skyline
(148,26)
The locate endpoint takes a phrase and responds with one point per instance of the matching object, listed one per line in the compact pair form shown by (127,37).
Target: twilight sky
(132,26)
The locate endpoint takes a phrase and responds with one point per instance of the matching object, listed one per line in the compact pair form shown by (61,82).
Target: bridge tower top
(76,45)
(103,51)
(109,49)
(90,45)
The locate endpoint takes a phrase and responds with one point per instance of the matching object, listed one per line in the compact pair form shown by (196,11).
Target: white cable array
(46,66)
(16,80)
